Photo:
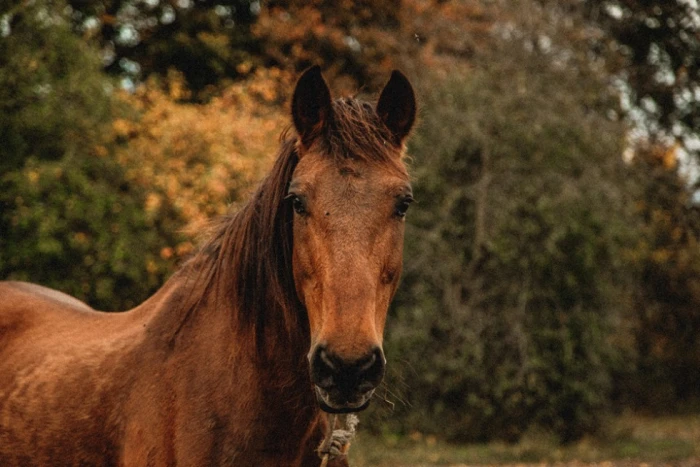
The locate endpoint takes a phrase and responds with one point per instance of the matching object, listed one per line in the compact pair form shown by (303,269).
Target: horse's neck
(213,374)
(206,340)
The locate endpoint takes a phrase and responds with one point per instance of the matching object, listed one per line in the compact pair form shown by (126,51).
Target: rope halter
(337,441)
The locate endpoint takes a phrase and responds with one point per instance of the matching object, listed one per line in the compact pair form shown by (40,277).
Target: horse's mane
(247,261)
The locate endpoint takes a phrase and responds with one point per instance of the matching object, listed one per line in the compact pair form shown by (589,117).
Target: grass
(630,437)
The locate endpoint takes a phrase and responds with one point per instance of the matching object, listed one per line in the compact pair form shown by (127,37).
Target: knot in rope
(337,441)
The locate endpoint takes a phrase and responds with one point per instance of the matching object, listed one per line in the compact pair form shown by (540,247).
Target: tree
(667,300)
(653,47)
(513,259)
(78,226)
(53,98)
(69,217)
(199,158)
(208,42)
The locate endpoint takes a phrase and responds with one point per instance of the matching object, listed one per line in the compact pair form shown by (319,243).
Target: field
(628,440)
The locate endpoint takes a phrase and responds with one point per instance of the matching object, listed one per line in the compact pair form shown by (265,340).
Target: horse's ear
(311,105)
(397,106)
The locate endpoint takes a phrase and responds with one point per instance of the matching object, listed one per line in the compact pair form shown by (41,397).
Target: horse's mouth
(333,402)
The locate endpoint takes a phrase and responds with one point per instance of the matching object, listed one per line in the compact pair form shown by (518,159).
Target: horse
(274,323)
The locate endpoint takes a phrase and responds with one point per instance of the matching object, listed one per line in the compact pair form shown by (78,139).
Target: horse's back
(27,308)
(24,294)
(31,312)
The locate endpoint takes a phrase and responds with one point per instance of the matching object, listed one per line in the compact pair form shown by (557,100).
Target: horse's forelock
(356,131)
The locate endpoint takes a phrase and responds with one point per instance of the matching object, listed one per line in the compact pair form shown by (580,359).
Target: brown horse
(235,360)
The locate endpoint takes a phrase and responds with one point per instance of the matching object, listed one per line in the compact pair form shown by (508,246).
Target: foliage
(78,226)
(654,47)
(200,158)
(212,44)
(667,320)
(53,98)
(103,219)
(509,300)
(345,38)
(69,218)
(205,41)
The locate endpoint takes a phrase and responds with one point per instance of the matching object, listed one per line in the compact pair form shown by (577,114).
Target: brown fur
(213,370)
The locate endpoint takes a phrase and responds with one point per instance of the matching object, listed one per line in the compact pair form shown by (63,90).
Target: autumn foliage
(200,158)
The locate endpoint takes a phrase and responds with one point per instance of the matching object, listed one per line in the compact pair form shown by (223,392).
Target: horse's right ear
(311,105)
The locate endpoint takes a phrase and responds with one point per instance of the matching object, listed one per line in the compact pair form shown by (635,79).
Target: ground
(628,440)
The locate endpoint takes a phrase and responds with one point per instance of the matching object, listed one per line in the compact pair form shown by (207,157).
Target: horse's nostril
(369,363)
(326,359)
(371,368)
(323,368)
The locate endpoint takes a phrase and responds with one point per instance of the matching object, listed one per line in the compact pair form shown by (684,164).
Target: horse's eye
(402,205)
(297,204)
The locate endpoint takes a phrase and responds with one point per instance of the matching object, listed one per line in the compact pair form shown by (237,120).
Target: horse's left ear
(397,106)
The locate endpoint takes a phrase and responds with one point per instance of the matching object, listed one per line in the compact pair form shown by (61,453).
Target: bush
(666,375)
(200,158)
(97,186)
(69,216)
(507,310)
(53,97)
(76,225)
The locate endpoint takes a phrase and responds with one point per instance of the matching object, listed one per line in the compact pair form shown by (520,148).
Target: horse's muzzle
(345,386)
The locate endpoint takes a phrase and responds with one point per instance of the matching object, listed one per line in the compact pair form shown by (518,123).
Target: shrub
(53,97)
(506,314)
(69,216)
(78,226)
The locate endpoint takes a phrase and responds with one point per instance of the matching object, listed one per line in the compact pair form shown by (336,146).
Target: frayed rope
(337,442)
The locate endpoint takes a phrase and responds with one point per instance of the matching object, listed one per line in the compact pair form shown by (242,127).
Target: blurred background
(552,265)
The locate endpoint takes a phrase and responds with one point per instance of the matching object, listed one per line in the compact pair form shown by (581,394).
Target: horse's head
(350,192)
